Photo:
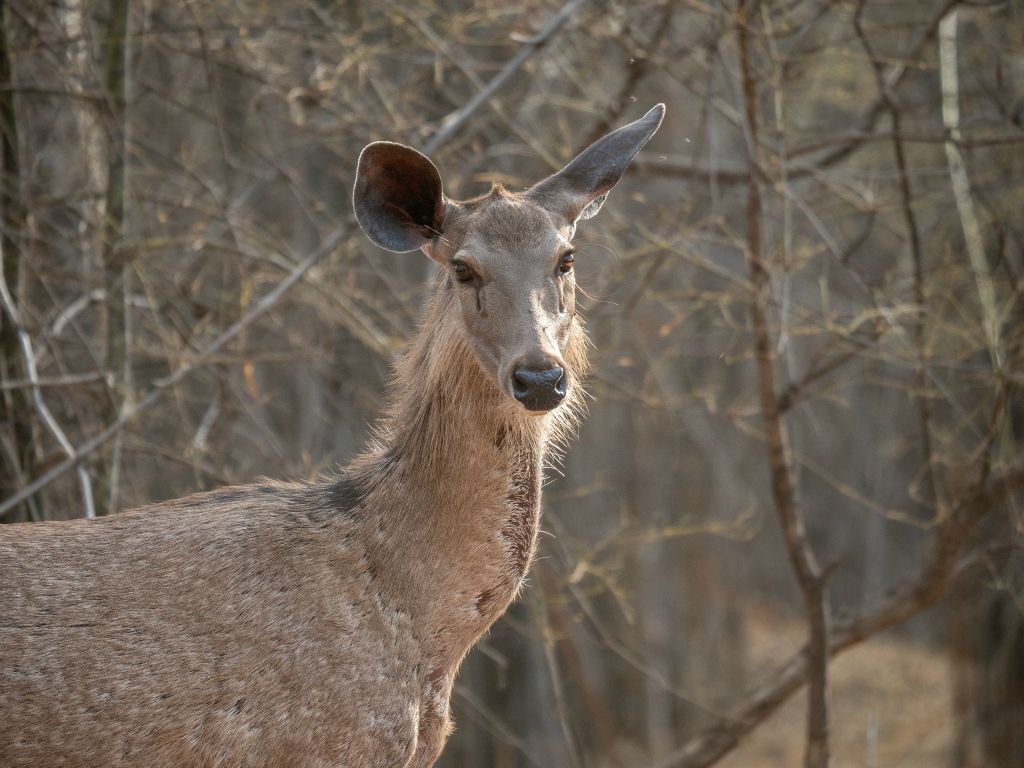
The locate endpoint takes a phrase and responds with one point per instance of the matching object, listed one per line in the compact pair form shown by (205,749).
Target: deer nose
(539,390)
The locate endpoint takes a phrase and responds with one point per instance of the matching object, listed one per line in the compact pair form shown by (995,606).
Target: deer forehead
(506,226)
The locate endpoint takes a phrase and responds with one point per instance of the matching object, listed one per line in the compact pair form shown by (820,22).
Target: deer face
(508,256)
(510,275)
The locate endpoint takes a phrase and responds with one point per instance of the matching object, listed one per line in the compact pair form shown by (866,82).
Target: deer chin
(538,412)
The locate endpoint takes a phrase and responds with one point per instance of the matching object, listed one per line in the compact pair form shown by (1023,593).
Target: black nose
(539,390)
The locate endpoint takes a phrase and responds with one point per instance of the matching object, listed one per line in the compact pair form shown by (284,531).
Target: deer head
(508,256)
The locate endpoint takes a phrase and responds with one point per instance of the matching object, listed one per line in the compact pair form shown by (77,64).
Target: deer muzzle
(539,390)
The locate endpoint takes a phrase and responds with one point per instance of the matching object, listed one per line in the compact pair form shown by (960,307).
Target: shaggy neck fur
(450,485)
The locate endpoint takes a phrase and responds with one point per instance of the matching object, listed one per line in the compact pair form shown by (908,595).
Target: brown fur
(322,624)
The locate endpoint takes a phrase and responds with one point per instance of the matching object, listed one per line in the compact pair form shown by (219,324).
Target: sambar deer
(322,624)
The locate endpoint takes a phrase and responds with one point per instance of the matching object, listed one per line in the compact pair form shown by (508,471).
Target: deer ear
(578,191)
(398,200)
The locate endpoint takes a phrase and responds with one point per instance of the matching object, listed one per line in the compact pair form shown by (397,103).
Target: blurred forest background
(805,300)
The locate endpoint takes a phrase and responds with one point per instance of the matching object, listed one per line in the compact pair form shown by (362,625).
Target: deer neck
(453,485)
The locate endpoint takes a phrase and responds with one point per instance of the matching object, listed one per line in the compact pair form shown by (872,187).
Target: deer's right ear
(398,200)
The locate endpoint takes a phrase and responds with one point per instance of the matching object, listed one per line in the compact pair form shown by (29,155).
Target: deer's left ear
(398,199)
(578,191)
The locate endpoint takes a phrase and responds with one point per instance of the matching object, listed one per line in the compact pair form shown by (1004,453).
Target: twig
(68,380)
(674,167)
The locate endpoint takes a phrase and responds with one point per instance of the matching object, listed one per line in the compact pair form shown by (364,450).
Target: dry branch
(784,491)
(950,81)
(888,100)
(456,120)
(44,413)
(156,392)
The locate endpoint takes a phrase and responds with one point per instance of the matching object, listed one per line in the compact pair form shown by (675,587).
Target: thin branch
(457,58)
(950,82)
(13,409)
(917,257)
(453,123)
(128,413)
(639,68)
(539,606)
(494,725)
(29,361)
(784,491)
(68,380)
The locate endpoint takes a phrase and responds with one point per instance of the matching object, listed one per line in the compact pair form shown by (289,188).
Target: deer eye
(565,265)
(462,271)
